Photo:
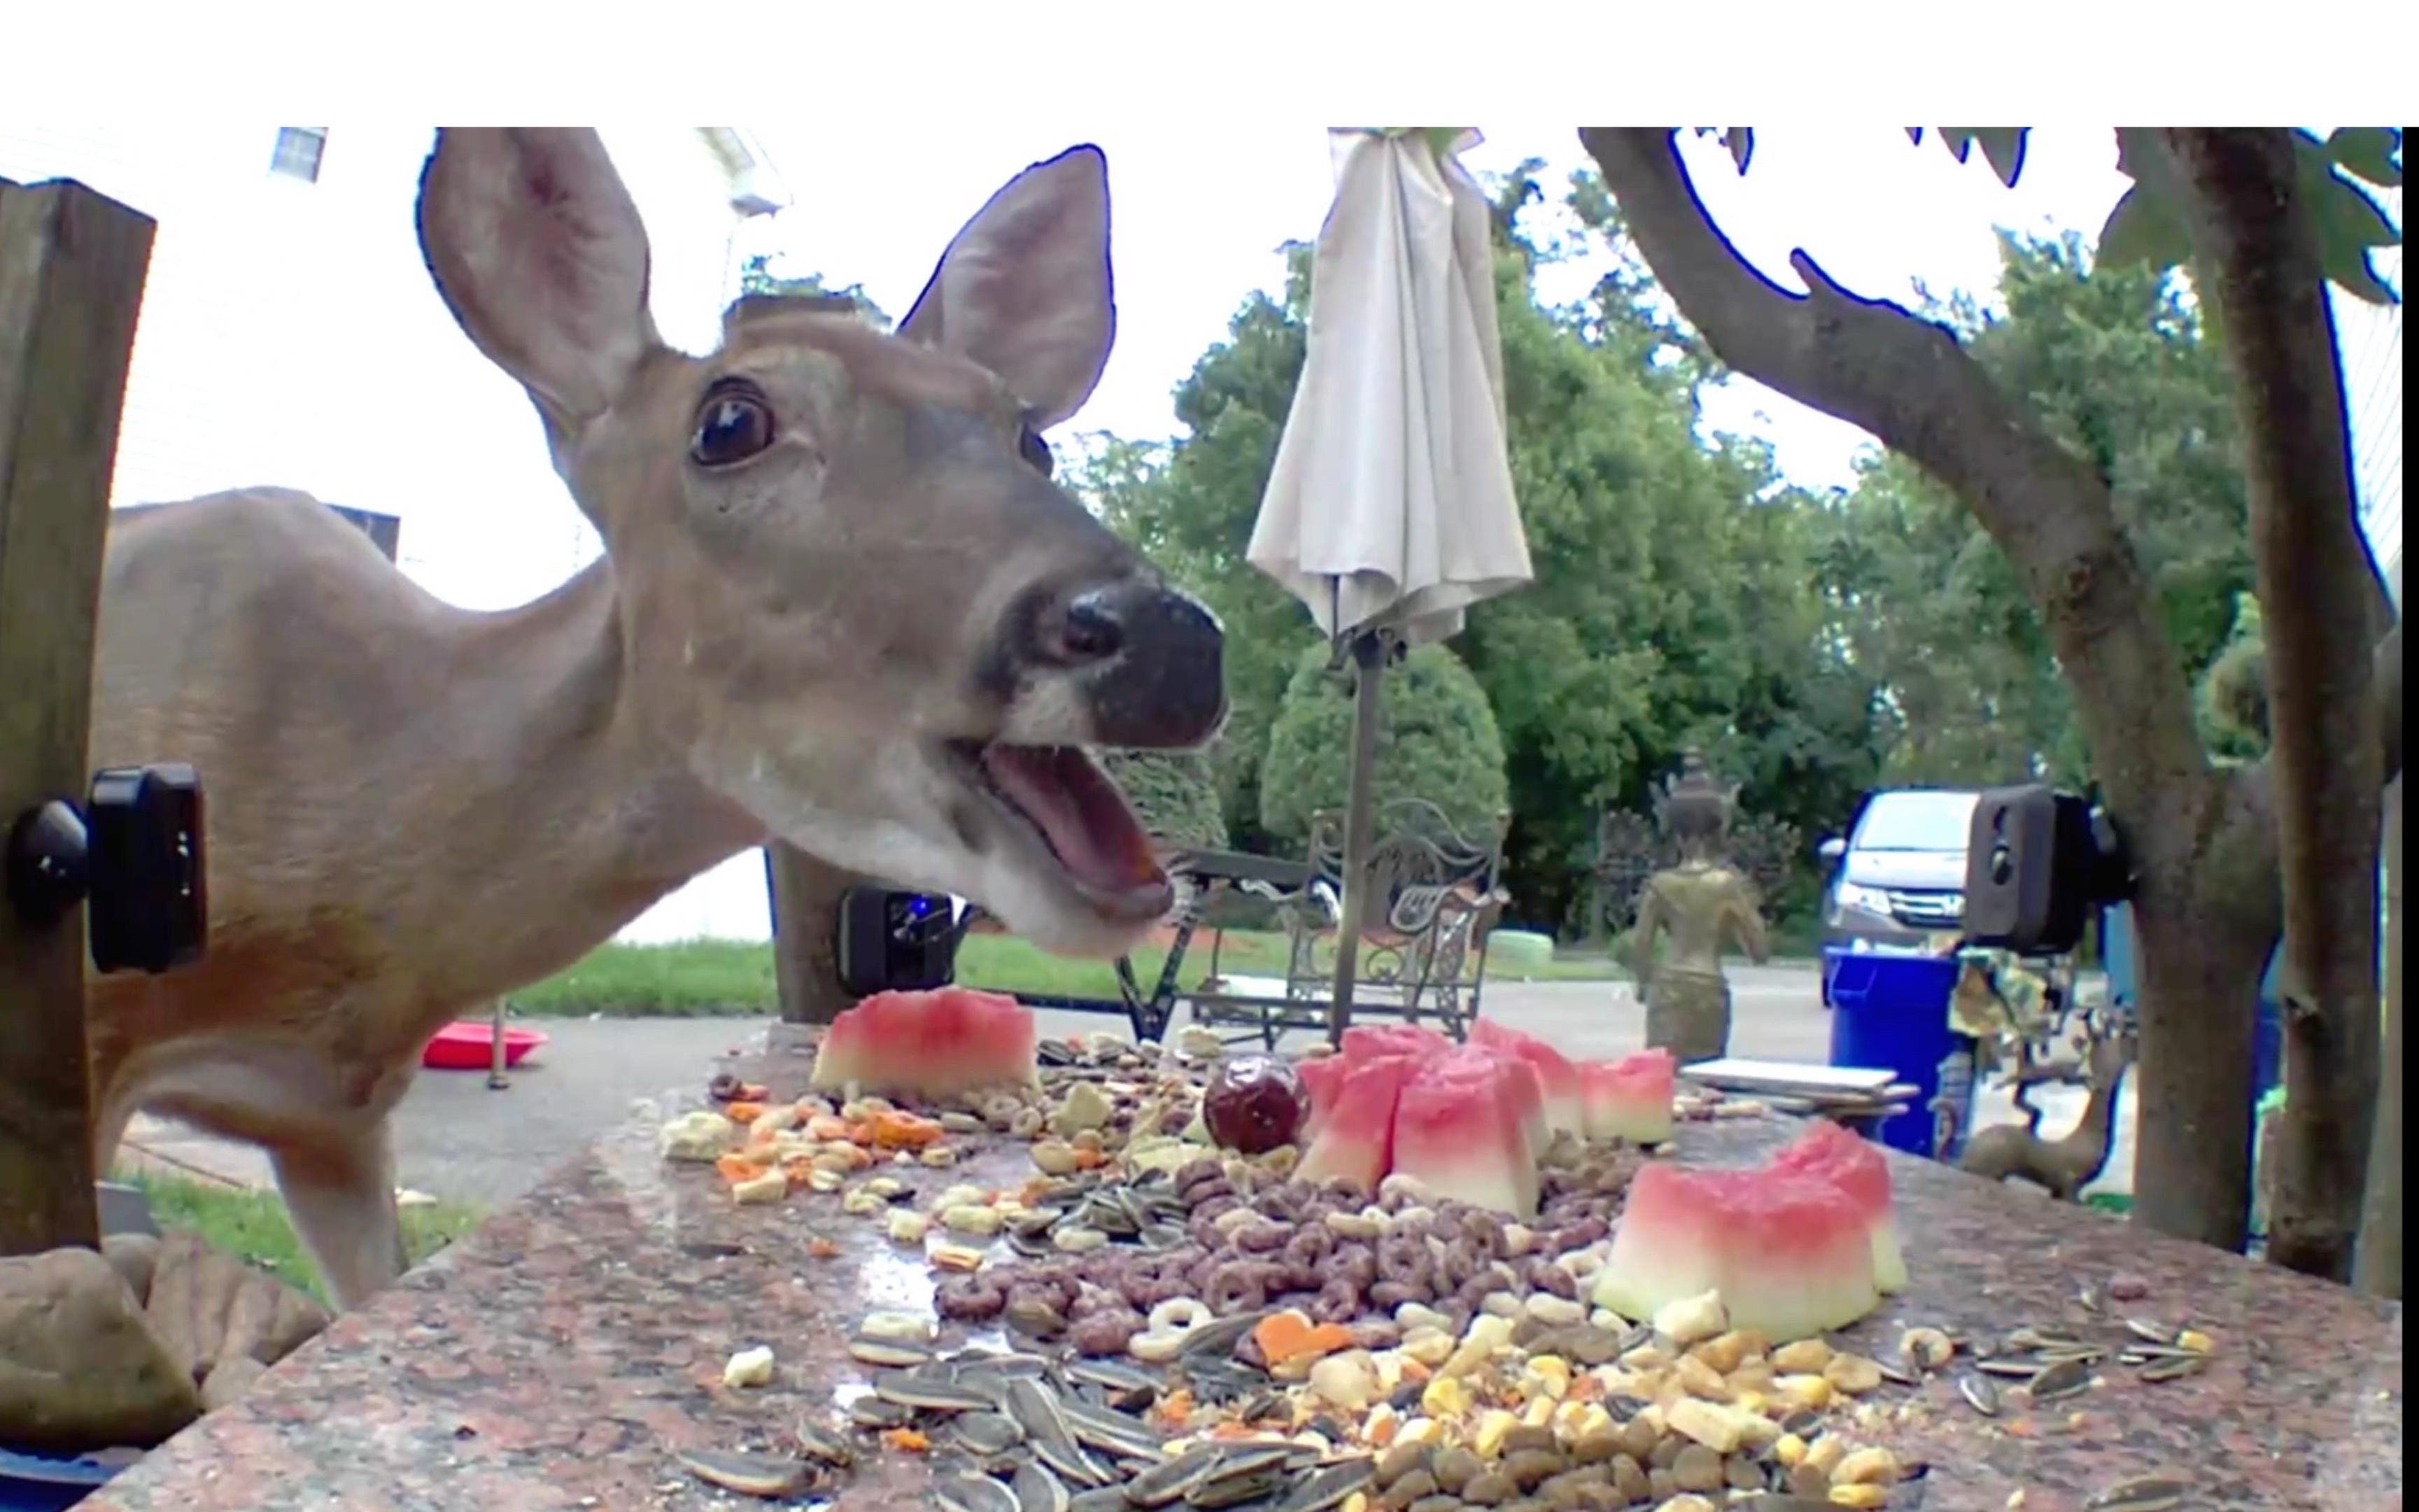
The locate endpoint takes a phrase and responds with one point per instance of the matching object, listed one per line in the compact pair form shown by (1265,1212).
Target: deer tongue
(1087,822)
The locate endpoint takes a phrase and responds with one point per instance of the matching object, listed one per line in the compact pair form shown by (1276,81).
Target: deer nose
(1151,659)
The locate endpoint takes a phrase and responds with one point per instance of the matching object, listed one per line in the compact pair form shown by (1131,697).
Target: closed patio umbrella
(1390,508)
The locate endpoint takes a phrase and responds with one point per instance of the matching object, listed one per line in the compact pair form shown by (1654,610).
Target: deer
(2065,1165)
(842,604)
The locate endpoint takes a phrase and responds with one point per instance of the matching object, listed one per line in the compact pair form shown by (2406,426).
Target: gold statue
(1703,903)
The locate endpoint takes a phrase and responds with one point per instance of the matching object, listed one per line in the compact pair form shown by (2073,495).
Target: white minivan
(1898,879)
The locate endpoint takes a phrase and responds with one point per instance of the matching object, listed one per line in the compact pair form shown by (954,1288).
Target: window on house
(299,150)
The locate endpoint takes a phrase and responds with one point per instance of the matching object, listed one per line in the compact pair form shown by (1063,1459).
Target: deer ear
(1025,289)
(538,251)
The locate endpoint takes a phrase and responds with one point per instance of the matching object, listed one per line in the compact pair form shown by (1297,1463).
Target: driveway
(461,1141)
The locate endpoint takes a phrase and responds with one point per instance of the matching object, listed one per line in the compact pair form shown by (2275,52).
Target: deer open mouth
(1079,818)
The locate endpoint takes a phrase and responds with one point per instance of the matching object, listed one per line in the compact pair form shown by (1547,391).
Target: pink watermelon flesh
(1788,1251)
(1563,1108)
(1458,1130)
(1862,1173)
(928,1044)
(1527,1088)
(1365,1041)
(1356,1133)
(1322,1077)
(1630,1097)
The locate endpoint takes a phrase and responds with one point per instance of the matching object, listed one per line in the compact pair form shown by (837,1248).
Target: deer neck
(2098,1111)
(569,817)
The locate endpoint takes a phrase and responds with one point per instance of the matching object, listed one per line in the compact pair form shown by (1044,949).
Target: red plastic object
(465,1045)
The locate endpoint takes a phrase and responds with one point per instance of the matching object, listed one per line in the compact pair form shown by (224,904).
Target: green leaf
(2370,152)
(2350,224)
(2003,146)
(2142,231)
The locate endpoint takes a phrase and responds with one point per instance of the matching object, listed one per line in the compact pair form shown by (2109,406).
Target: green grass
(253,1225)
(698,979)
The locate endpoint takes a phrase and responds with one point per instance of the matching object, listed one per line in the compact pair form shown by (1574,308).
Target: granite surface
(559,1357)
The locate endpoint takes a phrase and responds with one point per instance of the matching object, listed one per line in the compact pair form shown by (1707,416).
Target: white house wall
(290,335)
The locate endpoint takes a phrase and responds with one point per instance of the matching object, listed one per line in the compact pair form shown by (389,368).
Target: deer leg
(339,1189)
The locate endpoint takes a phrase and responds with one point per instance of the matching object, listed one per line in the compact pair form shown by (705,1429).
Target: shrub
(1437,740)
(1175,792)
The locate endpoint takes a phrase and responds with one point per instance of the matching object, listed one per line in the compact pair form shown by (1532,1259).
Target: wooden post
(804,894)
(72,272)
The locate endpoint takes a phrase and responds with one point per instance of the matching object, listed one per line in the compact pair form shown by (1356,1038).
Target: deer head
(852,603)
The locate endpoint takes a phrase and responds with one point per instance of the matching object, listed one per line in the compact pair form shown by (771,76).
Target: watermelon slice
(1355,1137)
(1560,1078)
(1861,1172)
(1460,1131)
(929,1045)
(1630,1097)
(1365,1041)
(1322,1078)
(1790,1252)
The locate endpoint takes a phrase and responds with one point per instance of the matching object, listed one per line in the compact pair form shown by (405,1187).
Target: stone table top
(558,1357)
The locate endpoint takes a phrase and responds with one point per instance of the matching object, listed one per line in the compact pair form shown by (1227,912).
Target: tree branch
(1907,382)
(2254,232)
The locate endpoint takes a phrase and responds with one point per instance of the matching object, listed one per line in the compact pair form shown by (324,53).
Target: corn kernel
(1489,1441)
(1444,1396)
(1789,1448)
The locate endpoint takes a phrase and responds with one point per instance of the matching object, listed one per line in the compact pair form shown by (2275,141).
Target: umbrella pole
(1369,660)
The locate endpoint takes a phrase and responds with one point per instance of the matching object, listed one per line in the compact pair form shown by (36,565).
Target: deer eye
(1034,451)
(734,426)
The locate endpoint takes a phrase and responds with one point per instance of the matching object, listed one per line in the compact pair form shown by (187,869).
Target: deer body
(2064,1165)
(841,604)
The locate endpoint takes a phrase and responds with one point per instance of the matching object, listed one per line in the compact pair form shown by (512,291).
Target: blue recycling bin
(1891,1011)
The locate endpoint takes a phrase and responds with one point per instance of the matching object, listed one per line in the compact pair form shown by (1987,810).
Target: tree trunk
(805,893)
(2254,233)
(2377,1265)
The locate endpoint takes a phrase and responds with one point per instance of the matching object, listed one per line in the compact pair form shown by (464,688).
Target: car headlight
(1856,895)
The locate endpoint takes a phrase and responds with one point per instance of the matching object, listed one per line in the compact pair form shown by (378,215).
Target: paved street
(459,1140)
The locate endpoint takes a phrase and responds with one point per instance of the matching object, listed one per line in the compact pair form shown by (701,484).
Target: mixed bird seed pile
(1181,1327)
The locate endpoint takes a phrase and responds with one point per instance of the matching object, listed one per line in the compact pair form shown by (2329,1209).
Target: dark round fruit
(1253,1103)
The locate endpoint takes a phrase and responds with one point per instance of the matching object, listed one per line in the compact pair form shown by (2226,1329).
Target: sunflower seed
(2064,1379)
(972,1493)
(2175,1368)
(874,1349)
(2150,1331)
(1100,1499)
(770,1476)
(1221,1336)
(987,1433)
(1897,1374)
(1037,1410)
(2088,1297)
(824,1444)
(1330,1486)
(1113,1374)
(2147,1495)
(875,1412)
(929,1396)
(1234,1491)
(1251,1460)
(1979,1393)
(1114,1432)
(1038,1490)
(1168,1482)
(2023,1368)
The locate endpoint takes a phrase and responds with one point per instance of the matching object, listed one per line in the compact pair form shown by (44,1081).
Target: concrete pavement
(459,1140)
